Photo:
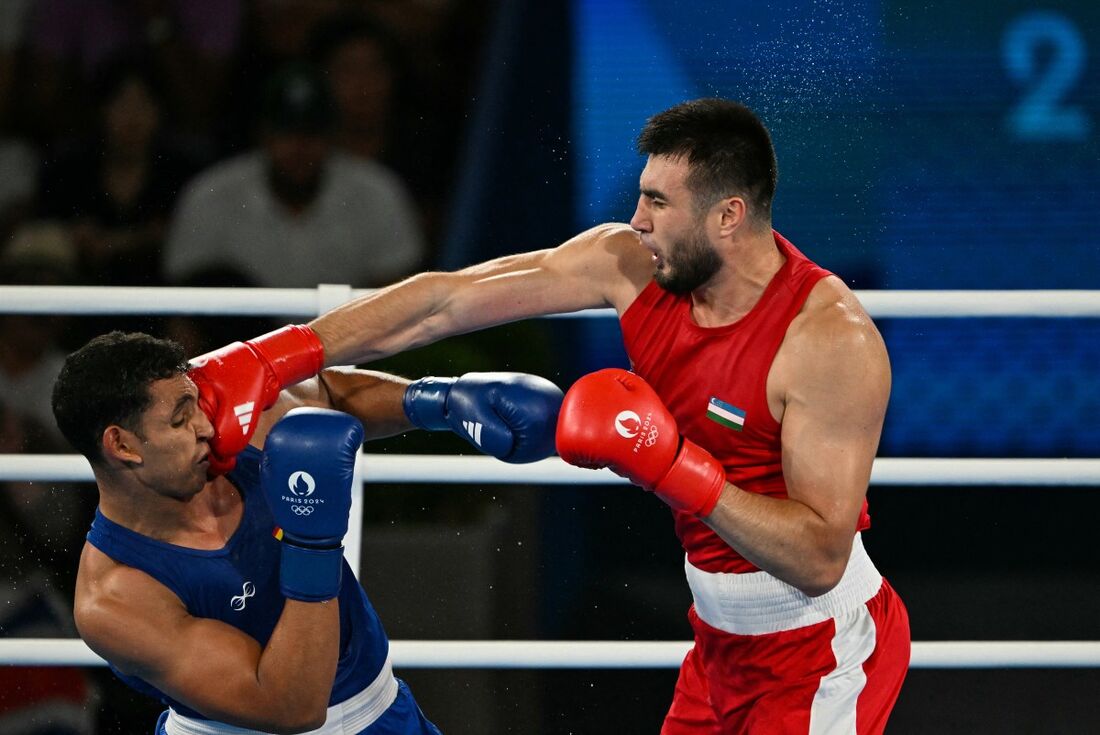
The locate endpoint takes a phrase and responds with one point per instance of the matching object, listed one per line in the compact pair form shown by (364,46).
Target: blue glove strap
(425,403)
(310,575)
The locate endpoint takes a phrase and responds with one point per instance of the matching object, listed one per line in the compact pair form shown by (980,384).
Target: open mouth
(654,253)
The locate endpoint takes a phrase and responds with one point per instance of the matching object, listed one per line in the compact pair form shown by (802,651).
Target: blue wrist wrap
(310,575)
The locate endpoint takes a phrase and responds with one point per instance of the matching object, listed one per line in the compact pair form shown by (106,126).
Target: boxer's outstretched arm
(371,396)
(604,266)
(514,413)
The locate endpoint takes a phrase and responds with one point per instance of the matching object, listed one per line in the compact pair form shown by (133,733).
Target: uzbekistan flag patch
(726,414)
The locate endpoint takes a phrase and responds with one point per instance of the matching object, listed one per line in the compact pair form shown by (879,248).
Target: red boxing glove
(242,379)
(612,418)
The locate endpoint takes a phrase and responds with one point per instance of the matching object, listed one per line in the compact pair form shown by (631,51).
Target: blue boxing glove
(306,475)
(510,416)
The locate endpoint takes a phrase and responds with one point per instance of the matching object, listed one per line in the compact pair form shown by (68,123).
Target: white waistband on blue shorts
(756,602)
(352,715)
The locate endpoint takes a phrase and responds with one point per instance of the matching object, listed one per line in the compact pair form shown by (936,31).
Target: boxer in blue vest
(223,591)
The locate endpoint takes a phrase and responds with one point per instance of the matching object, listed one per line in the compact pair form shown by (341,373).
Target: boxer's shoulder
(117,607)
(831,342)
(831,317)
(617,259)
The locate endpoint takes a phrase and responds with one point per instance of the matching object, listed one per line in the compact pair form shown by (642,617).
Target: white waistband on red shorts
(756,602)
(352,715)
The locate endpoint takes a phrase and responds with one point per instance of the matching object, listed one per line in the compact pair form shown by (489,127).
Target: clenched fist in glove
(242,379)
(306,475)
(510,416)
(612,418)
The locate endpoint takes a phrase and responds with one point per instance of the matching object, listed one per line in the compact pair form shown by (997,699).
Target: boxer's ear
(121,445)
(732,212)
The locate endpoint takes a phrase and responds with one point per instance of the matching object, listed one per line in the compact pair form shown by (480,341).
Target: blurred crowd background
(287,143)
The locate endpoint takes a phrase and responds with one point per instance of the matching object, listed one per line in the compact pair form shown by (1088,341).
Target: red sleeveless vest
(713,380)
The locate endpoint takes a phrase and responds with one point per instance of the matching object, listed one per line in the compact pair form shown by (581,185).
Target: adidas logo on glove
(473,428)
(244,414)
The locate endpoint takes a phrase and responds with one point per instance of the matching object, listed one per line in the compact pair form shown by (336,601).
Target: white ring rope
(611,654)
(376,468)
(309,302)
(421,468)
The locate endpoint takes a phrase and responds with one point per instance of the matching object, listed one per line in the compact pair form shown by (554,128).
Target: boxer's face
(174,439)
(672,228)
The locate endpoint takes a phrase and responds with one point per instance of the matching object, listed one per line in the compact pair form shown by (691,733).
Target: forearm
(430,306)
(389,321)
(374,398)
(223,673)
(783,537)
(298,666)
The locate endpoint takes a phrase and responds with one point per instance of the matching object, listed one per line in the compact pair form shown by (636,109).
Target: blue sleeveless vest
(239,585)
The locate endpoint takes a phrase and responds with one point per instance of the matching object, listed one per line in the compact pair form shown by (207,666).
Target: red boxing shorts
(769,659)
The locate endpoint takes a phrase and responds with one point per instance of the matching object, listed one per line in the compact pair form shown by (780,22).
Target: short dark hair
(727,147)
(107,382)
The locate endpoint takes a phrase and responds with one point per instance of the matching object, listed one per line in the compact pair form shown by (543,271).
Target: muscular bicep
(838,385)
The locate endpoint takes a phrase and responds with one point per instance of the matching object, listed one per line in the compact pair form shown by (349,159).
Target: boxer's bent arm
(837,389)
(604,266)
(373,397)
(144,630)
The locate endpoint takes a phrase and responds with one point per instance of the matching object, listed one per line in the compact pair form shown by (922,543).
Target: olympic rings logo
(651,438)
(301,510)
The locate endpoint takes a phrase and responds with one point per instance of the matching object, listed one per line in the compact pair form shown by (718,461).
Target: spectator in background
(280,29)
(40,535)
(274,33)
(360,61)
(296,212)
(39,530)
(38,254)
(19,164)
(13,26)
(390,109)
(189,42)
(18,159)
(116,188)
